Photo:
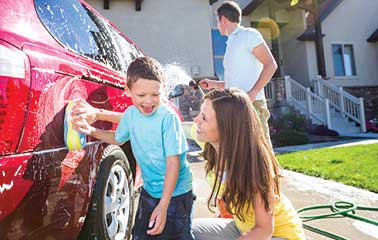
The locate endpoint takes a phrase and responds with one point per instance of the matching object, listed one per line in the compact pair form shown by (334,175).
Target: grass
(353,165)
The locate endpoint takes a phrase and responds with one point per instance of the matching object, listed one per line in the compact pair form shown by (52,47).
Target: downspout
(319,41)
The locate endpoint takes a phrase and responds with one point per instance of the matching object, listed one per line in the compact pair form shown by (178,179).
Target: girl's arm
(159,215)
(264,222)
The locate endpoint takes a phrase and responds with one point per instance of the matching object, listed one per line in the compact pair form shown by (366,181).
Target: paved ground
(305,191)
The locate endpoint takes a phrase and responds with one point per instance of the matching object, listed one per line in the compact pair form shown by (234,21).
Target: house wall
(352,22)
(312,63)
(297,57)
(293,53)
(170,31)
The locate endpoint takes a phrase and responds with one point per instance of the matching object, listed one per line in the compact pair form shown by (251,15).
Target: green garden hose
(339,209)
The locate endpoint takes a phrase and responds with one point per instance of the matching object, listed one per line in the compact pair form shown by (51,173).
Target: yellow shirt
(287,223)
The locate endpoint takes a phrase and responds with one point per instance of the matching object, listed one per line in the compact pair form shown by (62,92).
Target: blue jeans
(179,220)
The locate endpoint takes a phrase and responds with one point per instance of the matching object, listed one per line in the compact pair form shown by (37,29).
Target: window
(82,31)
(219,48)
(343,60)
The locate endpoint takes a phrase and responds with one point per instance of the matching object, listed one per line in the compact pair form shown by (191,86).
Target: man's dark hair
(146,68)
(230,10)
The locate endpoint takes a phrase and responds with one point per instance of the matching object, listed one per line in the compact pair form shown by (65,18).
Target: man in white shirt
(248,63)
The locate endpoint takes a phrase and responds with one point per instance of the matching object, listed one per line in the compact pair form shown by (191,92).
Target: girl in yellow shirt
(247,178)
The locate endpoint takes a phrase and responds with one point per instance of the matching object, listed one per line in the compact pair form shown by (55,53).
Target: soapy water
(174,75)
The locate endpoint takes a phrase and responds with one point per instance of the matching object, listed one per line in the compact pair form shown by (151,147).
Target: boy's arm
(83,126)
(91,114)
(105,135)
(159,215)
(109,116)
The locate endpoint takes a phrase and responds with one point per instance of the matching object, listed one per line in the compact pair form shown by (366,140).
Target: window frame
(343,44)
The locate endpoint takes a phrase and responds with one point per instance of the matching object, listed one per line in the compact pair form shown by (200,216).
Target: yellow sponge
(73,139)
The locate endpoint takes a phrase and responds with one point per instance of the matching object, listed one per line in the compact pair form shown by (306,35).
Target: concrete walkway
(306,191)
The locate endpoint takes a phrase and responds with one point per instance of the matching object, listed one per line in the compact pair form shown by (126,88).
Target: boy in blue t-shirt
(159,146)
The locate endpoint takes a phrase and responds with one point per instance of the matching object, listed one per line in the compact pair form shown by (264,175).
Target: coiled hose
(339,209)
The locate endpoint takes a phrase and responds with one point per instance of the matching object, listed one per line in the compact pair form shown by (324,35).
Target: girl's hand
(157,220)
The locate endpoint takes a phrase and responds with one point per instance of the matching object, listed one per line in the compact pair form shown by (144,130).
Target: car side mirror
(177,91)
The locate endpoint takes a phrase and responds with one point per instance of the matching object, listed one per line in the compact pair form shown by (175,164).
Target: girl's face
(207,128)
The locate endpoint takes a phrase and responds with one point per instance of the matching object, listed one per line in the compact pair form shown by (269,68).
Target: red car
(50,52)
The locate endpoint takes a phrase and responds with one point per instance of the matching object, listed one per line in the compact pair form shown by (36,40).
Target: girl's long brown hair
(244,154)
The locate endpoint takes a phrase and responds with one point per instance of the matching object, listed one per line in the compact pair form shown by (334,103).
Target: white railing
(315,106)
(347,104)
(269,91)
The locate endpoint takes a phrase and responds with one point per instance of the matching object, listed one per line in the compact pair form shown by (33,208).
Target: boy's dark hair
(146,68)
(230,10)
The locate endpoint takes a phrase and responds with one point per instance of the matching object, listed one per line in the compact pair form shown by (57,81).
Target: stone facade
(370,96)
(279,90)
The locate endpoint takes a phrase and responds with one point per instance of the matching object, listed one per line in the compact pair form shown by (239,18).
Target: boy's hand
(157,220)
(85,110)
(80,124)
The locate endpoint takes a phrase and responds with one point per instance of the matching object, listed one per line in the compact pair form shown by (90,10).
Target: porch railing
(269,91)
(316,107)
(347,104)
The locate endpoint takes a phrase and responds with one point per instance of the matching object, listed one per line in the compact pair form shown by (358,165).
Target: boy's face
(145,94)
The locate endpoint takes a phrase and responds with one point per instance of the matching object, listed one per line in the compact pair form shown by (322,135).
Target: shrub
(372,125)
(323,131)
(288,129)
(287,121)
(289,137)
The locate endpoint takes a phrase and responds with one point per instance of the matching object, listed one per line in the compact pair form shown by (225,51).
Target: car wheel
(111,212)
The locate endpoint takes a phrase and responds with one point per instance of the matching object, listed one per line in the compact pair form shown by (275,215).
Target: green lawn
(354,165)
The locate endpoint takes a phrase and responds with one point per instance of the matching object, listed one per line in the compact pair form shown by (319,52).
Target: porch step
(343,126)
(339,123)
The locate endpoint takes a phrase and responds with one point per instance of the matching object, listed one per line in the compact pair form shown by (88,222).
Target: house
(350,48)
(169,30)
(185,32)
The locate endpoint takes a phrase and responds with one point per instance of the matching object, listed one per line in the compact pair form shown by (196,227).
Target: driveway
(304,191)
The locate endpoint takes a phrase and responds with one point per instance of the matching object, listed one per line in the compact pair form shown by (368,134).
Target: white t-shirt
(241,67)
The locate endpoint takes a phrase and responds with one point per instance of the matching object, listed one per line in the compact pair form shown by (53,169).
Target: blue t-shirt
(153,138)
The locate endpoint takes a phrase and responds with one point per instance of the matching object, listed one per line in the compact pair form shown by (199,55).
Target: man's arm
(209,84)
(263,54)
(159,215)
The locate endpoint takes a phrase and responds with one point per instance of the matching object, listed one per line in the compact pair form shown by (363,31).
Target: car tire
(112,207)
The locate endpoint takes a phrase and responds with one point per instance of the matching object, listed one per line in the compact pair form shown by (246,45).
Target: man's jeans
(179,220)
